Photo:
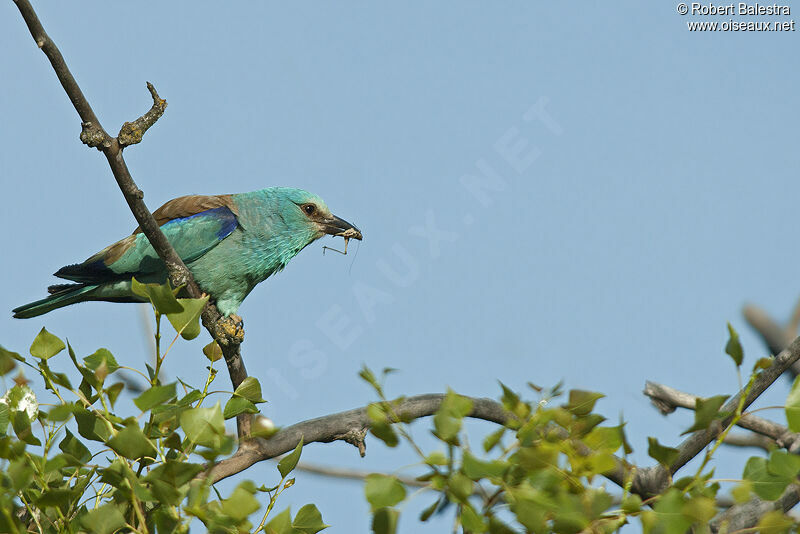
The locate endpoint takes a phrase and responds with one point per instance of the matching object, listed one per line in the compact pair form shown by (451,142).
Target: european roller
(229,242)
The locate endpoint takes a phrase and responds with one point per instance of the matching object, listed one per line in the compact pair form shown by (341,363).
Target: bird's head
(302,209)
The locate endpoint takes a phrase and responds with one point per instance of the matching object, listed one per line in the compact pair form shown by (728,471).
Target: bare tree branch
(228,333)
(750,440)
(350,426)
(667,399)
(775,336)
(652,480)
(695,443)
(747,515)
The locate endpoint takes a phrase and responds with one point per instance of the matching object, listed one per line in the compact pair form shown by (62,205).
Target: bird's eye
(309,209)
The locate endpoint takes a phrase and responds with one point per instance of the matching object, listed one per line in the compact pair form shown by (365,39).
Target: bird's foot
(233,326)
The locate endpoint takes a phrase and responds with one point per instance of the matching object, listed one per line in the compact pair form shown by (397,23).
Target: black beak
(341,228)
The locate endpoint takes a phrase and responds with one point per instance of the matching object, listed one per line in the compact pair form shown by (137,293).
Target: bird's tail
(62,295)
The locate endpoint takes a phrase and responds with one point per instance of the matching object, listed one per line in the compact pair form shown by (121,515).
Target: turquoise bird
(229,242)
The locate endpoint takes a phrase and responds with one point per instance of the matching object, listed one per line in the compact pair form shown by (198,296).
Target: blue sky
(644,188)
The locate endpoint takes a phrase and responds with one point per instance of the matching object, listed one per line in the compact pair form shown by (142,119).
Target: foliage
(543,470)
(79,466)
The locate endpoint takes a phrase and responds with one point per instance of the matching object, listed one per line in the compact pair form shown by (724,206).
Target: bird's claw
(233,326)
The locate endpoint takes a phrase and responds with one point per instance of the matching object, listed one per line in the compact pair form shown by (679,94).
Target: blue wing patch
(191,237)
(224,215)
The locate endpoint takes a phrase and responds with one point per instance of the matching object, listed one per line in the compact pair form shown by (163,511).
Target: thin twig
(353,474)
(228,333)
(133,132)
(750,440)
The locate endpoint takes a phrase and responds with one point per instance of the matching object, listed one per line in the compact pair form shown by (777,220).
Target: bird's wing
(193,225)
(182,207)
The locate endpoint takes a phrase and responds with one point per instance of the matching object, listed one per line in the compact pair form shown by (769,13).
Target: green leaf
(632,504)
(287,464)
(385,521)
(72,445)
(11,354)
(155,396)
(471,521)
(241,503)
(161,296)
(90,425)
(237,405)
(105,519)
(21,473)
(705,411)
(176,473)
(5,418)
(131,443)
(190,398)
(734,348)
(280,524)
(448,418)
(62,380)
(775,522)
(491,441)
(498,527)
(436,458)
(669,513)
(166,494)
(308,520)
(250,389)
(99,358)
(700,509)
(385,433)
(212,351)
(784,464)
(510,399)
(383,491)
(767,485)
(741,493)
(186,322)
(666,456)
(604,438)
(7,363)
(381,428)
(204,426)
(368,376)
(477,469)
(460,485)
(46,345)
(113,392)
(429,510)
(56,498)
(793,406)
(581,403)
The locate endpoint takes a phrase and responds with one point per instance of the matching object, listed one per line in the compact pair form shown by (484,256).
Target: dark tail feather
(61,288)
(62,295)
